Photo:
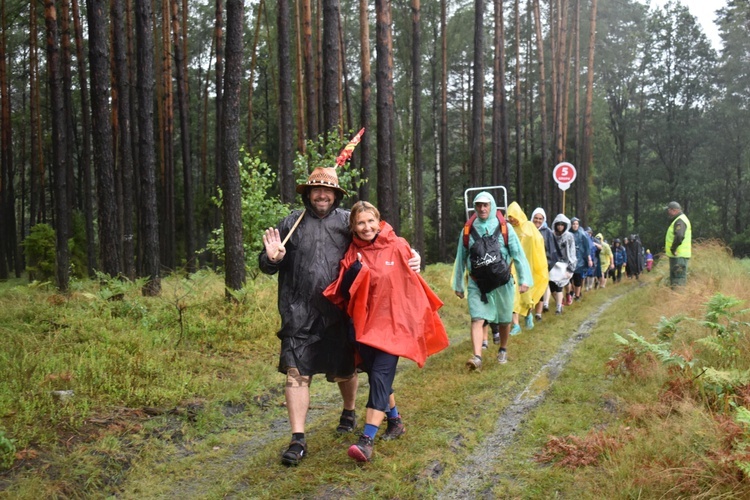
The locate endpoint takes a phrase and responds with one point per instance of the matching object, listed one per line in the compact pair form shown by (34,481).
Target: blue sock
(370,430)
(392,413)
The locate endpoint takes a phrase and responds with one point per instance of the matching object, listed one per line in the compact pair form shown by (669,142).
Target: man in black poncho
(314,332)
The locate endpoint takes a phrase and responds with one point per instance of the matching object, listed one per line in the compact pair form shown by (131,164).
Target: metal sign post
(501,201)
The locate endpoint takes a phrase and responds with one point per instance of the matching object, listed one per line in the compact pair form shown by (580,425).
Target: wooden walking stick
(289,234)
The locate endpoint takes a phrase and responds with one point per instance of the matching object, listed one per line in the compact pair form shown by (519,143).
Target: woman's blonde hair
(358,208)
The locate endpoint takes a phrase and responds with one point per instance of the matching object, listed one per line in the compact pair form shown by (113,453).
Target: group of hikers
(351,298)
(557,261)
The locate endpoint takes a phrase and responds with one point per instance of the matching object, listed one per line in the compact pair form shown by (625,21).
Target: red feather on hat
(346,153)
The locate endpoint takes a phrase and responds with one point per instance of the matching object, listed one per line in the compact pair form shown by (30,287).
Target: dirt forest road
(476,470)
(242,460)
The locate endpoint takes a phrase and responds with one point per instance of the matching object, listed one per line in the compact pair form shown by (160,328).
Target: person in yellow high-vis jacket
(677,244)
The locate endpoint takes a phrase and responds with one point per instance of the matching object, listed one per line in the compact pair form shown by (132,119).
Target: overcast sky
(705,11)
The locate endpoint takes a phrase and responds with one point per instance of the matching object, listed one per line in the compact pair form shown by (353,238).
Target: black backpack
(489,270)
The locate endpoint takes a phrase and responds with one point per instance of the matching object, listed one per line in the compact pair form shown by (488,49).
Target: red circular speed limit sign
(564,174)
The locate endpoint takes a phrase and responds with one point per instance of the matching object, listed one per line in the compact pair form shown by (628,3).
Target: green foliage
(661,351)
(260,210)
(322,152)
(7,450)
(667,327)
(40,252)
(719,308)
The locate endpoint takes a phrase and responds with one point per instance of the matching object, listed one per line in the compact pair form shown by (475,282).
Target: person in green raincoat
(499,305)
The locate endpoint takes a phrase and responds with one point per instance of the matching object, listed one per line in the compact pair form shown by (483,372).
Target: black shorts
(577,279)
(332,355)
(554,288)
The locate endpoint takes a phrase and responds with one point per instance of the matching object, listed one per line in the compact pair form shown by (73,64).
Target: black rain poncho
(314,332)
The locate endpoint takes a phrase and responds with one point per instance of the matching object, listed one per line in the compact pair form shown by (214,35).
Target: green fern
(667,327)
(724,382)
(720,317)
(661,351)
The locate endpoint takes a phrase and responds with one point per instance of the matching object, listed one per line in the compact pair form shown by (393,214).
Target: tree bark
(311,96)
(387,171)
(85,162)
(109,248)
(331,66)
(234,259)
(517,98)
(364,26)
(417,127)
(500,146)
(546,173)
(187,168)
(286,109)
(443,189)
(251,79)
(62,272)
(149,221)
(122,80)
(476,153)
(588,134)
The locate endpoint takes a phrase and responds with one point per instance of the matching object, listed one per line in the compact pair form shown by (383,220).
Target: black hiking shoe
(295,453)
(395,429)
(362,451)
(347,423)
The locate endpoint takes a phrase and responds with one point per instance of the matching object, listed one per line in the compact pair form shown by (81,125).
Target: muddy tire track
(474,478)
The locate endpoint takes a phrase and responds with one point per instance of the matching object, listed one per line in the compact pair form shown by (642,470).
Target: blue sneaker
(515,330)
(529,322)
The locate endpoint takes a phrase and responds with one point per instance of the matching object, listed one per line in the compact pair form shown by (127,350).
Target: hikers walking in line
(491,305)
(621,257)
(532,244)
(583,258)
(562,272)
(539,218)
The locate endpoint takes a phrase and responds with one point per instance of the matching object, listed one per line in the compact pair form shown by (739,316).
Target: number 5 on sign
(564,174)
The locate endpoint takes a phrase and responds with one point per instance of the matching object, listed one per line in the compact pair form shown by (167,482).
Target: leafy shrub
(40,252)
(7,450)
(260,210)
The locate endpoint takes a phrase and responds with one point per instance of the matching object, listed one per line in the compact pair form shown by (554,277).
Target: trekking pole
(299,219)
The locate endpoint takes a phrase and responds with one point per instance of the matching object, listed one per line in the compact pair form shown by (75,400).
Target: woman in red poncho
(394,313)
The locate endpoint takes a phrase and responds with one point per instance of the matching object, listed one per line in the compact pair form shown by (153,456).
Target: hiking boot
(485,344)
(362,451)
(538,317)
(502,356)
(294,454)
(515,330)
(495,338)
(395,429)
(347,423)
(529,321)
(545,307)
(474,363)
(558,312)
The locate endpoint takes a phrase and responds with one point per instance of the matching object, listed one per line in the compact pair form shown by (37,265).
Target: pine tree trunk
(364,26)
(517,97)
(416,61)
(443,205)
(234,259)
(169,226)
(286,109)
(122,81)
(476,153)
(311,96)
(546,172)
(109,248)
(251,79)
(85,165)
(149,221)
(57,107)
(187,168)
(67,81)
(219,146)
(500,147)
(387,171)
(34,147)
(588,134)
(331,66)
(300,82)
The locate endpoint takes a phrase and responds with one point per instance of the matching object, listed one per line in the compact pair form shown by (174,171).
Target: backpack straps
(469,228)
